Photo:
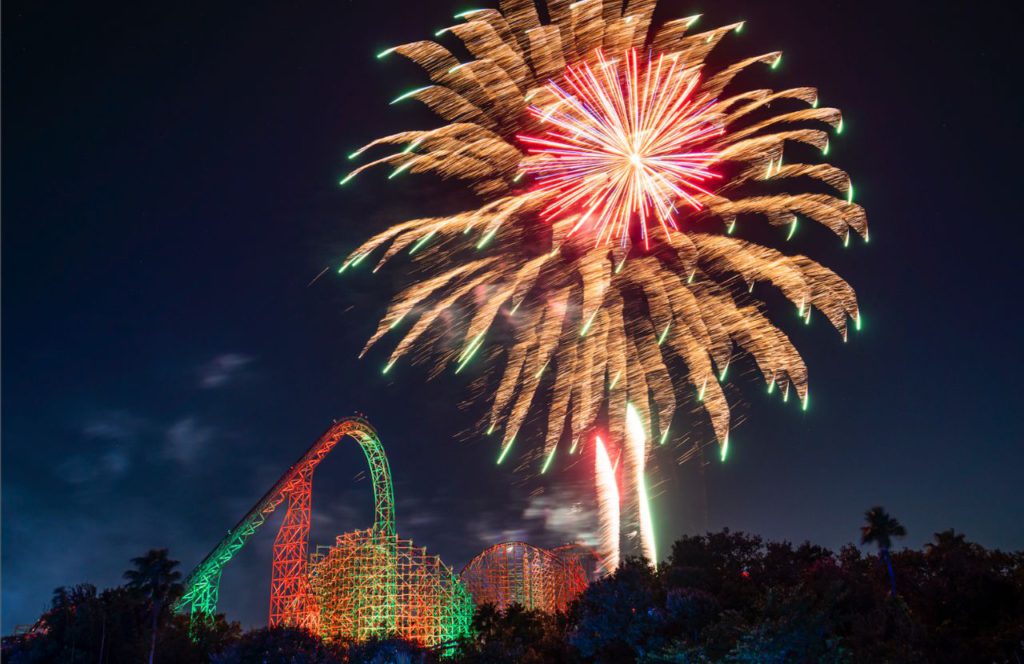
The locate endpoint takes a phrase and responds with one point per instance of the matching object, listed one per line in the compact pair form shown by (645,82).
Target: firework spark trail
(618,130)
(636,449)
(607,505)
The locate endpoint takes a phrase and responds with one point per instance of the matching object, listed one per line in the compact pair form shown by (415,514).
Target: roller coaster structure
(519,573)
(370,585)
(291,601)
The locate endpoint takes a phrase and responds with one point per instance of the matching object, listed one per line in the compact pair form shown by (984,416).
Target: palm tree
(947,540)
(880,528)
(155,576)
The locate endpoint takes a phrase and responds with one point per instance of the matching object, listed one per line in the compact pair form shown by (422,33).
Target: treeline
(722,597)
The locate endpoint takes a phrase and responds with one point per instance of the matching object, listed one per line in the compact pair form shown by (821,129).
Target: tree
(621,617)
(278,645)
(388,651)
(879,528)
(156,577)
(516,635)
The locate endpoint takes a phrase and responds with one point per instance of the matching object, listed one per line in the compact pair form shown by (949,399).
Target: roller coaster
(371,583)
(518,573)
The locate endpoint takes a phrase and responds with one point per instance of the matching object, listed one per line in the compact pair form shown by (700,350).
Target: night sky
(170,190)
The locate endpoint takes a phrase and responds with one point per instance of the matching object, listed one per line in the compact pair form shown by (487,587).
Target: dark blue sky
(169,191)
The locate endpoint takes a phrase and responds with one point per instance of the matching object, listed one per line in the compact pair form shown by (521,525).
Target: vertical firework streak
(607,504)
(601,125)
(636,449)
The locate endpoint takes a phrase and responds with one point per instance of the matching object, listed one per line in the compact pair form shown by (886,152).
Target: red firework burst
(625,143)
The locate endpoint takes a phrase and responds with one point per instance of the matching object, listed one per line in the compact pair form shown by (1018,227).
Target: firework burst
(542,124)
(625,145)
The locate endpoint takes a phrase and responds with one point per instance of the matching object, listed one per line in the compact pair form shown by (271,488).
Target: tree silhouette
(155,576)
(879,528)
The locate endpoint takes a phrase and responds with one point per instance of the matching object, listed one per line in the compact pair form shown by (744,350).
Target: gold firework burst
(625,322)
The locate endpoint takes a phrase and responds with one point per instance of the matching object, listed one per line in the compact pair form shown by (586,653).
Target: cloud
(549,519)
(222,370)
(82,468)
(107,450)
(562,516)
(119,426)
(186,438)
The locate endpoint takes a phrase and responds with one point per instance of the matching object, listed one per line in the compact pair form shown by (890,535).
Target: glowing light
(636,440)
(792,228)
(807,400)
(401,169)
(423,240)
(486,238)
(408,94)
(586,326)
(629,139)
(470,351)
(386,52)
(505,448)
(849,194)
(615,380)
(778,61)
(725,448)
(551,457)
(664,437)
(387,367)
(607,504)
(664,334)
